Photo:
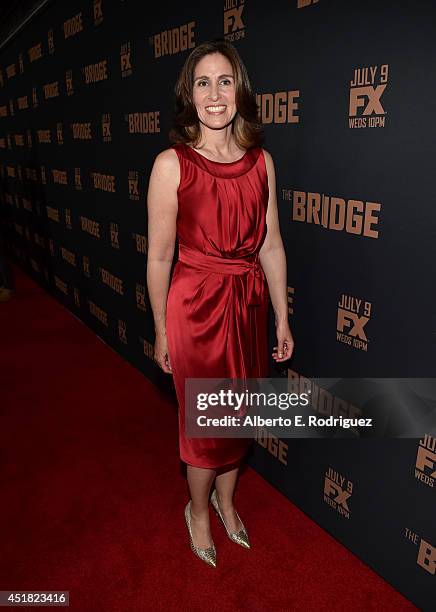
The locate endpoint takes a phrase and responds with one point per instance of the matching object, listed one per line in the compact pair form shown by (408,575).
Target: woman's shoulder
(167,167)
(167,159)
(268,158)
(266,154)
(168,154)
(269,164)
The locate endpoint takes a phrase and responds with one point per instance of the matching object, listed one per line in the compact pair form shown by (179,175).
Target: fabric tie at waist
(231,265)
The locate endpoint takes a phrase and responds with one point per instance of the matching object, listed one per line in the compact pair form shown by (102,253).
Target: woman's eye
(227,81)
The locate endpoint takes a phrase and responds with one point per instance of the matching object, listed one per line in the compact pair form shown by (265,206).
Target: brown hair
(247,127)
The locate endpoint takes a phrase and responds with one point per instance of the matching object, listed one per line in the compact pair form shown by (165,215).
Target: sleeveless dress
(217,303)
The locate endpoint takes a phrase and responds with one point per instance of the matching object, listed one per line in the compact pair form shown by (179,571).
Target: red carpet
(93,491)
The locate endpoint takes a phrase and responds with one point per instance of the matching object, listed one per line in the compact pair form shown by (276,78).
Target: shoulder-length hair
(247,127)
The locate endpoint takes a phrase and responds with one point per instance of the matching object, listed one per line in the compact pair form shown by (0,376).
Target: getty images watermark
(310,408)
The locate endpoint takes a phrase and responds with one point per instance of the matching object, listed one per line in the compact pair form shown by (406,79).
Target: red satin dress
(217,302)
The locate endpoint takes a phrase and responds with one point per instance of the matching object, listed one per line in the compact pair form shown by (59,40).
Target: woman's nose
(214,91)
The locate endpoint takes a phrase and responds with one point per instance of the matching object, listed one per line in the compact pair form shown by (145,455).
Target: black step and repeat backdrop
(346,91)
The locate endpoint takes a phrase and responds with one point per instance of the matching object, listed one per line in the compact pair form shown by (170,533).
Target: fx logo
(59,132)
(114,235)
(77,178)
(76,297)
(133,186)
(122,331)
(68,218)
(126,64)
(426,458)
(85,263)
(359,95)
(233,19)
(69,82)
(335,492)
(98,12)
(140,297)
(347,319)
(106,127)
(50,41)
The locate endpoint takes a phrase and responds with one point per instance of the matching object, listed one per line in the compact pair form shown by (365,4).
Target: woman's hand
(285,343)
(161,355)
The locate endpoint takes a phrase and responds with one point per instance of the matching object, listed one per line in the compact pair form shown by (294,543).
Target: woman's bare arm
(273,261)
(162,206)
(272,254)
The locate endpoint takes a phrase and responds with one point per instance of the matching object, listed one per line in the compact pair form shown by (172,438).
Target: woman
(215,190)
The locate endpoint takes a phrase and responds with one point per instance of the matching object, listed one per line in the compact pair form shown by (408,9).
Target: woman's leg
(199,481)
(225,486)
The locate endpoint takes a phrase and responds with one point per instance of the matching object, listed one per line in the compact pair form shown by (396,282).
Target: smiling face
(214,91)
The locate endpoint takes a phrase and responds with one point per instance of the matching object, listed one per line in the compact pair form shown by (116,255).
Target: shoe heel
(239,537)
(208,555)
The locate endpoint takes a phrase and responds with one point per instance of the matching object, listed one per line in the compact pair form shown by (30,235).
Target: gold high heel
(208,555)
(241,536)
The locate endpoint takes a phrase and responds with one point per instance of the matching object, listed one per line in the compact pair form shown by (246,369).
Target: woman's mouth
(216,110)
